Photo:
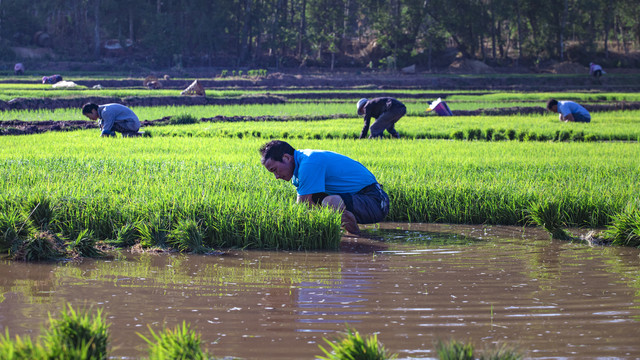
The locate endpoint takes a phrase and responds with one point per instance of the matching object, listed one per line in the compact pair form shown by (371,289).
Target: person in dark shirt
(386,110)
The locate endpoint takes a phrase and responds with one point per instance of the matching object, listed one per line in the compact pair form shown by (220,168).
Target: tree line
(322,32)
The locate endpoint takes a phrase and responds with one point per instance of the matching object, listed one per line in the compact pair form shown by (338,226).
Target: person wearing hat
(569,111)
(113,118)
(329,179)
(386,110)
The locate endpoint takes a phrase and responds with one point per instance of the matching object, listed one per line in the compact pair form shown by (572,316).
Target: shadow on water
(417,237)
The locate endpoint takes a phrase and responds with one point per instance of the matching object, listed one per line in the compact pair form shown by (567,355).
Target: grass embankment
(195,194)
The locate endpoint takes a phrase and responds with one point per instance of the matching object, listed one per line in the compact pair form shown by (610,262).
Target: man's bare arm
(305,199)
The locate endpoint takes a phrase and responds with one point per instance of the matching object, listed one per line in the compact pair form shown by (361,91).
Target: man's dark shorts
(581,118)
(369,205)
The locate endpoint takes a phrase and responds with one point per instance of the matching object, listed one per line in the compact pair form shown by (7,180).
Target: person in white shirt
(569,111)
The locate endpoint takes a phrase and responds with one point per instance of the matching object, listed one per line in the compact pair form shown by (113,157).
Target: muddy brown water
(423,283)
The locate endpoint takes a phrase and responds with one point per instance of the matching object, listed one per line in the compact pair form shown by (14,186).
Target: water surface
(421,284)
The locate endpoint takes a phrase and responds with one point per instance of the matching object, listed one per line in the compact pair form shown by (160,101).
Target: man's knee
(333,201)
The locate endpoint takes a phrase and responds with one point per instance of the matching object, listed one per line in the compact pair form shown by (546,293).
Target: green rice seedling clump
(353,346)
(625,229)
(85,245)
(180,343)
(79,333)
(21,348)
(40,246)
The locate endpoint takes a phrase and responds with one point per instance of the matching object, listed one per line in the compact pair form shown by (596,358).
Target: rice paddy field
(198,187)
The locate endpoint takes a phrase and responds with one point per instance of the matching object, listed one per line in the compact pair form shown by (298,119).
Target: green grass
(352,346)
(218,185)
(605,126)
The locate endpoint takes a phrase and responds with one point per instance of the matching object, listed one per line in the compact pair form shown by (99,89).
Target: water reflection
(484,284)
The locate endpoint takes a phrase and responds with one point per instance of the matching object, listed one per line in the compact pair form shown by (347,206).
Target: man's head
(552,105)
(277,157)
(360,105)
(90,110)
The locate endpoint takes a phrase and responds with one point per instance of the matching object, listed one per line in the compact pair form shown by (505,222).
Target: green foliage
(183,119)
(13,227)
(77,335)
(187,236)
(454,350)
(550,215)
(154,232)
(85,245)
(353,347)
(20,348)
(127,235)
(625,228)
(40,212)
(41,246)
(179,343)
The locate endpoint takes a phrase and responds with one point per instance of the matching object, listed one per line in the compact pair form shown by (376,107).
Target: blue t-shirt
(117,113)
(319,171)
(569,107)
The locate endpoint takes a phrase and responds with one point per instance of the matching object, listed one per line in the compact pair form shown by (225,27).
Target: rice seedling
(353,346)
(454,350)
(13,227)
(153,233)
(625,227)
(40,246)
(127,236)
(549,215)
(178,343)
(77,334)
(20,348)
(187,236)
(85,245)
(183,119)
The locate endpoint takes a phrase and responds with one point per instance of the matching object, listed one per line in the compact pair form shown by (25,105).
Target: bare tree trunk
(96,31)
(131,23)
(563,24)
(302,31)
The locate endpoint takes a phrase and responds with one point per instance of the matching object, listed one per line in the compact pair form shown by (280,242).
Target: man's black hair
(274,150)
(88,108)
(551,103)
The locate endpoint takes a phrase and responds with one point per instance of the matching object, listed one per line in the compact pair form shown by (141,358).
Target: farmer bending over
(387,111)
(569,111)
(330,179)
(113,118)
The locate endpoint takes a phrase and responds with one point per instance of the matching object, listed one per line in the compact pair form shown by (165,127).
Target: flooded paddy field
(411,284)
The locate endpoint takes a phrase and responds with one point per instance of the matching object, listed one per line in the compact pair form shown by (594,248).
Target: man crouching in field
(113,118)
(330,179)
